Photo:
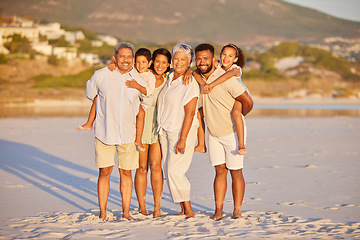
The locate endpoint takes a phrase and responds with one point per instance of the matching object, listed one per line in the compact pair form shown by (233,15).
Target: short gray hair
(124,45)
(184,48)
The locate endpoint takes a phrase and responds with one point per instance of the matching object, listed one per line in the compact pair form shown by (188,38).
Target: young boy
(142,64)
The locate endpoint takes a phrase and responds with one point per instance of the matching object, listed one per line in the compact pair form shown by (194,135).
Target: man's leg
(103,189)
(238,189)
(126,190)
(220,185)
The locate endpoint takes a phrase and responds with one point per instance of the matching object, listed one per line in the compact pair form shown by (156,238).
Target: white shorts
(225,150)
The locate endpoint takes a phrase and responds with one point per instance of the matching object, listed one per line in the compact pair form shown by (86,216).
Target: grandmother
(177,121)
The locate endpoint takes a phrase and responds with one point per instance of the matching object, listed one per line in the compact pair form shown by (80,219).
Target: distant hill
(244,22)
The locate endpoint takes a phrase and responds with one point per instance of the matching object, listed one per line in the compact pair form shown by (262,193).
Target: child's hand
(112,66)
(207,88)
(187,77)
(131,83)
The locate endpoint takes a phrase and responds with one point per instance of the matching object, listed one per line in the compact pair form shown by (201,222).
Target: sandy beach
(302,182)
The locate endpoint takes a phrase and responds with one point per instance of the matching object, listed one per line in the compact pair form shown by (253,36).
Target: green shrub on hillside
(73,81)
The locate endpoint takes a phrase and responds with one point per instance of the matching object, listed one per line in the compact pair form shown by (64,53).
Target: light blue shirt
(117,105)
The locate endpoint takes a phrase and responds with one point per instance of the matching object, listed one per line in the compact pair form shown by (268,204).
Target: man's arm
(246,101)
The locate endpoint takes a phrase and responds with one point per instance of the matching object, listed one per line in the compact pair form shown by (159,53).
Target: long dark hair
(239,54)
(161,51)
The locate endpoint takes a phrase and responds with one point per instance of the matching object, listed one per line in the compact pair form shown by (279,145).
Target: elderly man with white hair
(115,124)
(177,121)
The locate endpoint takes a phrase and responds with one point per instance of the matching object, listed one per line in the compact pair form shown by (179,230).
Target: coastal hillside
(244,22)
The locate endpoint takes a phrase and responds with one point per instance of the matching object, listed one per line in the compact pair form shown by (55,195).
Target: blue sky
(346,9)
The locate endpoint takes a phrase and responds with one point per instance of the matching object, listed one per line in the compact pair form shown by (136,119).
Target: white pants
(176,165)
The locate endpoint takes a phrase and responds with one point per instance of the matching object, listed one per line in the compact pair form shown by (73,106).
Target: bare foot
(242,151)
(144,212)
(128,217)
(236,215)
(157,213)
(84,127)
(217,216)
(181,213)
(139,146)
(190,214)
(102,217)
(200,148)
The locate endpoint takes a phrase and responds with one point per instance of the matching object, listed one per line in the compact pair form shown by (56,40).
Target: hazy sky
(346,9)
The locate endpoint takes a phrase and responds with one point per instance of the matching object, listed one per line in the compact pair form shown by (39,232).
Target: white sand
(302,182)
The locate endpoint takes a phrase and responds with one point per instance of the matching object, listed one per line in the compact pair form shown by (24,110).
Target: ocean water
(273,110)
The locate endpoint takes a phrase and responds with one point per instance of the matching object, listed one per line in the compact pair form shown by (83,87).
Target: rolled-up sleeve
(91,87)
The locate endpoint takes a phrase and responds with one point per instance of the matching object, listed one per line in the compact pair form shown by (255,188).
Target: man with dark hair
(115,124)
(223,143)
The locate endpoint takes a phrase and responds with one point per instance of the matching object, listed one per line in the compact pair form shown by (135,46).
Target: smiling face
(141,64)
(160,64)
(204,61)
(228,57)
(180,62)
(124,60)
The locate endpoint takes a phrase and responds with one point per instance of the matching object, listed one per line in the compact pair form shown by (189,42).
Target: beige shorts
(128,155)
(225,150)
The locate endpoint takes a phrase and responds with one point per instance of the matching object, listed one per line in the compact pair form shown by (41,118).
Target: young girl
(232,59)
(142,63)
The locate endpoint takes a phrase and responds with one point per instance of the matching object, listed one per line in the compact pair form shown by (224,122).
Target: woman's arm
(190,110)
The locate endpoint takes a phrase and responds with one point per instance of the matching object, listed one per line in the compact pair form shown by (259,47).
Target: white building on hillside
(51,30)
(90,58)
(31,33)
(72,37)
(109,40)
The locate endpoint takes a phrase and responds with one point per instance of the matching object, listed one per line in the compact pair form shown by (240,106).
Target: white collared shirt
(171,102)
(117,105)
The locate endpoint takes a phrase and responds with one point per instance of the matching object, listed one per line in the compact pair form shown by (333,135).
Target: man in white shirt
(222,139)
(115,124)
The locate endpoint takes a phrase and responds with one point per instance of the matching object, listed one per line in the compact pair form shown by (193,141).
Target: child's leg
(92,114)
(140,120)
(239,126)
(201,147)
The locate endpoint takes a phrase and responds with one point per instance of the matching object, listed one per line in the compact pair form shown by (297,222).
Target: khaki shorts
(128,155)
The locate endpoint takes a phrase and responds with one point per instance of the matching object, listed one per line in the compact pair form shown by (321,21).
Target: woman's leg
(141,179)
(156,176)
